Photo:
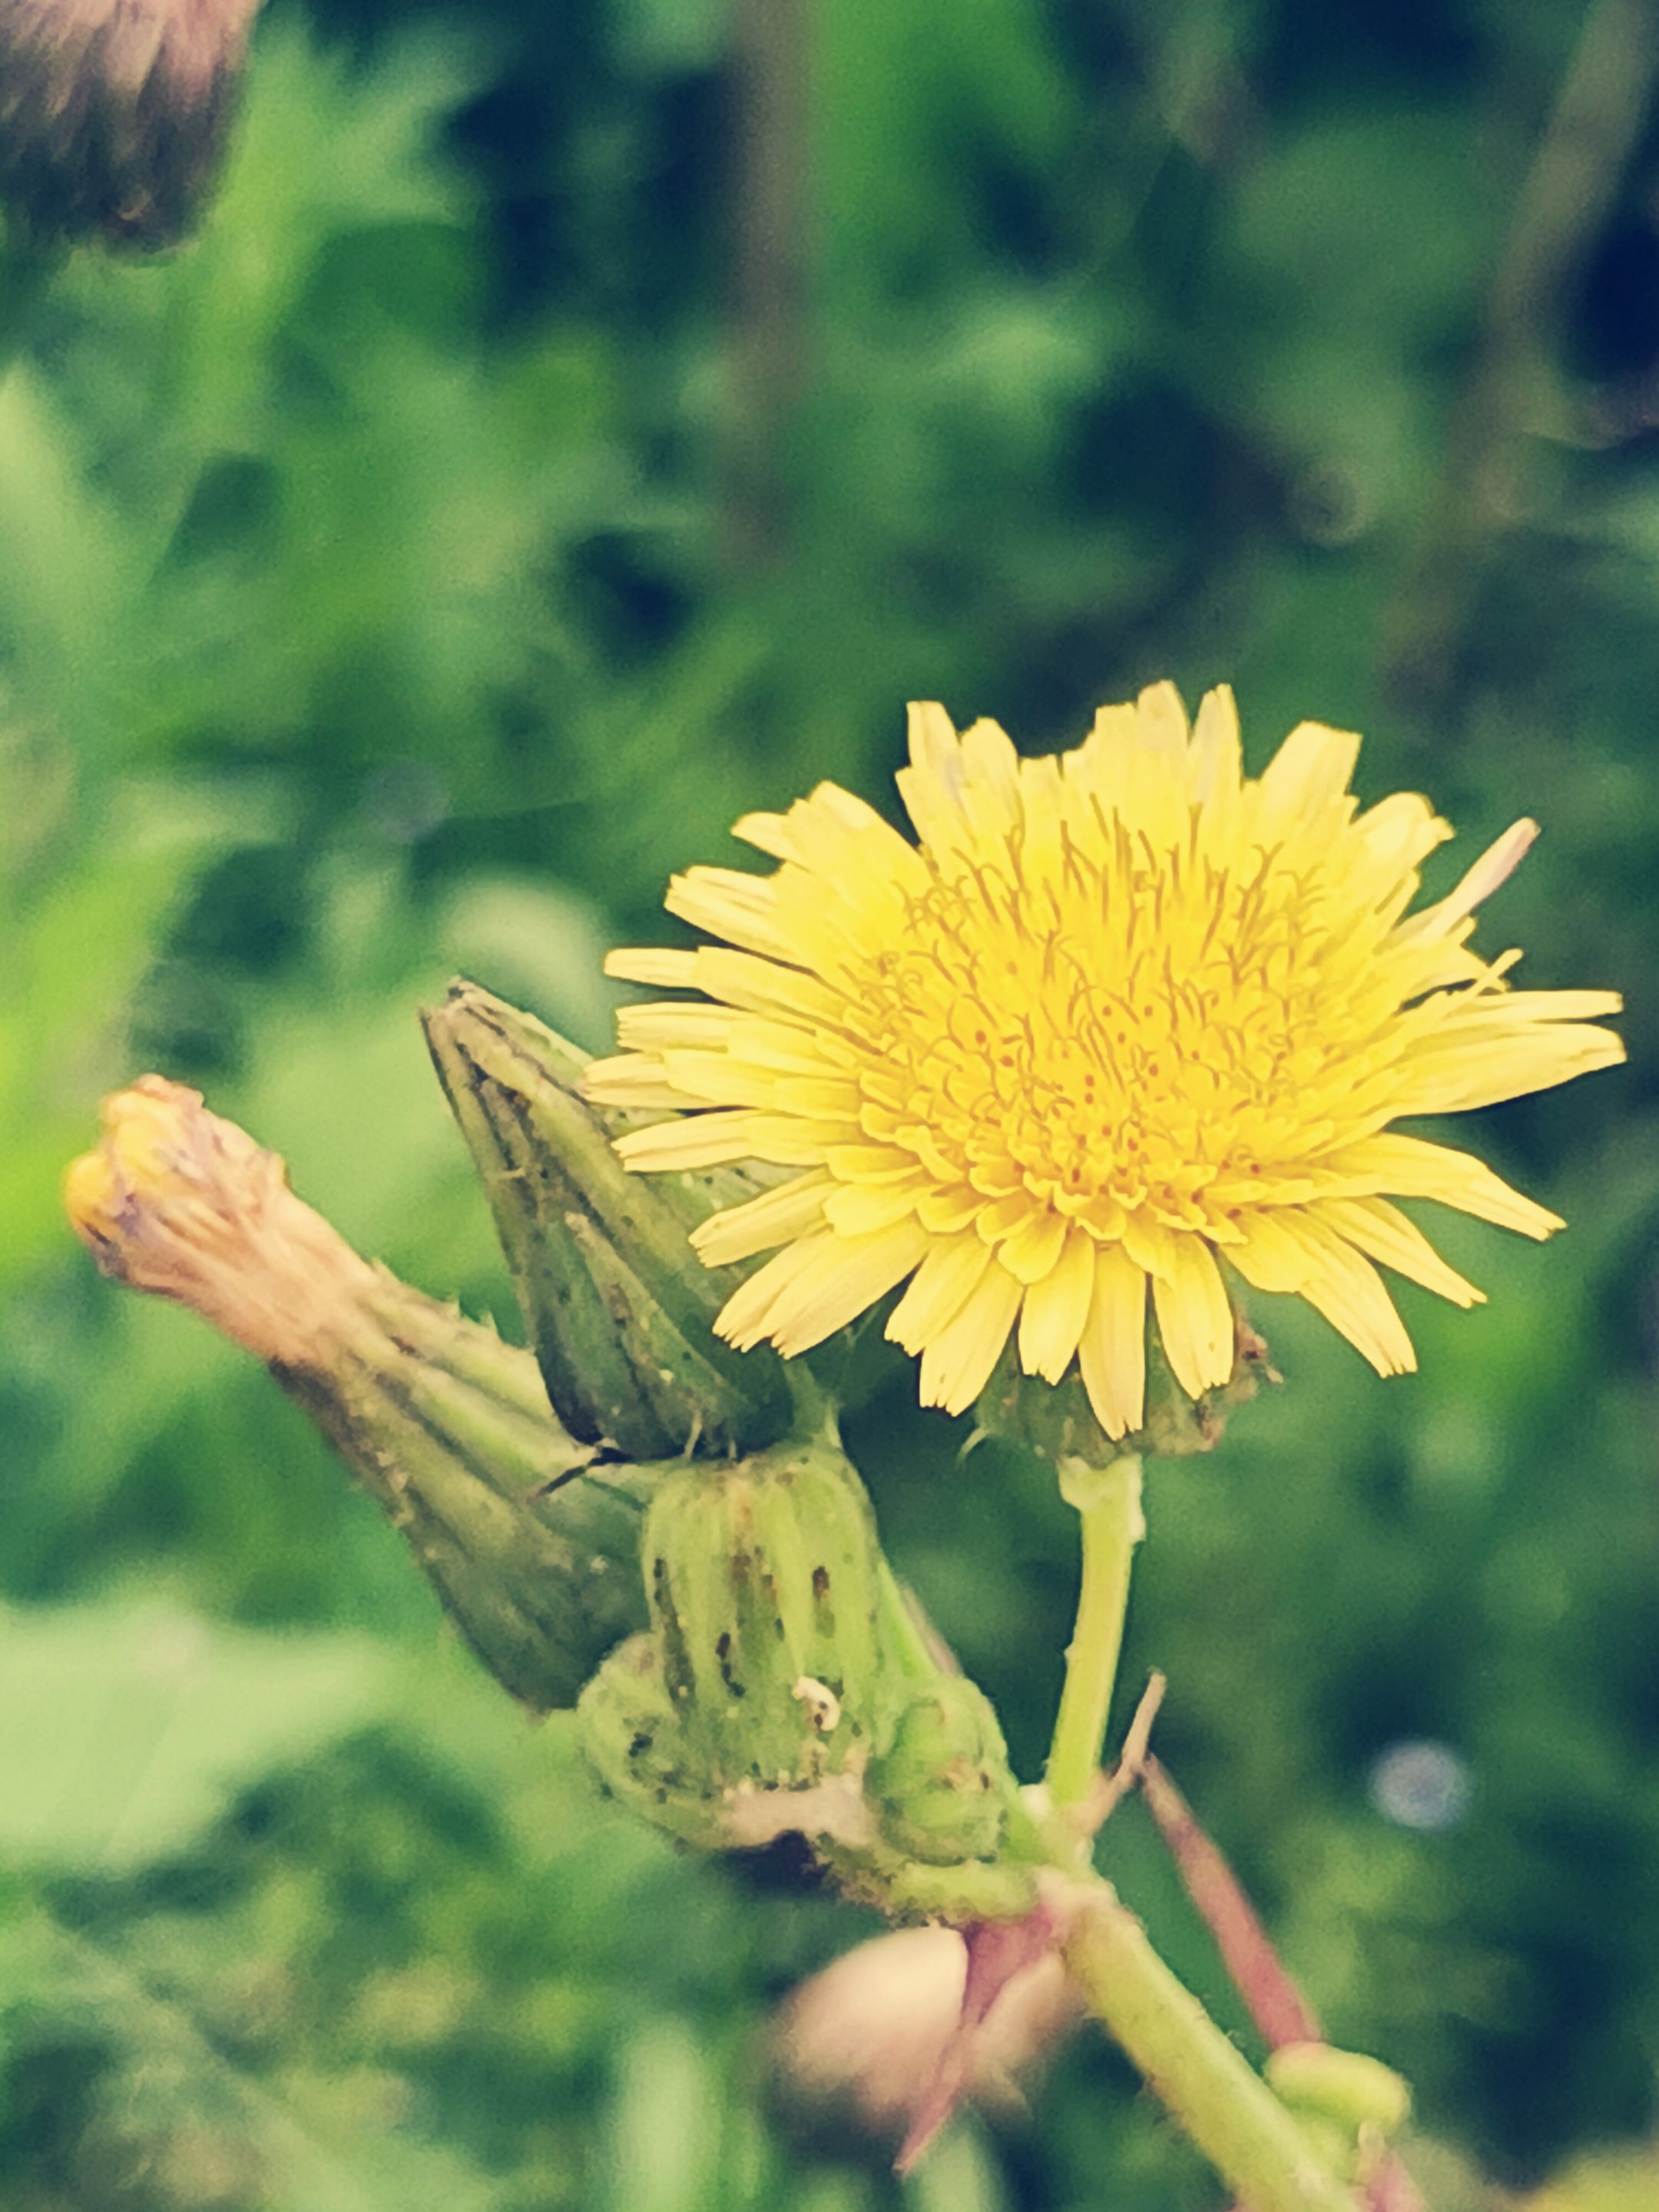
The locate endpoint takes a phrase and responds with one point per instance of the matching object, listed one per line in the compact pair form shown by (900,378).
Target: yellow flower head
(1119,1015)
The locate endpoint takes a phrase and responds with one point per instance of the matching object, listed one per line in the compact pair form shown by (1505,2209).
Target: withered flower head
(178,1202)
(113,113)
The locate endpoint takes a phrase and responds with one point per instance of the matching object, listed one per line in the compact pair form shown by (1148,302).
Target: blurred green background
(576,425)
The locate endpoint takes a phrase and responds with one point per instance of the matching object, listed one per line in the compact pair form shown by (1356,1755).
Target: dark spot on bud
(723,1655)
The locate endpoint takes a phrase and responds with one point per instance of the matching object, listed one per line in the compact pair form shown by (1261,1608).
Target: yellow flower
(1122,1014)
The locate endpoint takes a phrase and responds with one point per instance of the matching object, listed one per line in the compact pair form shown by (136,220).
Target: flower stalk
(1108,1501)
(1195,2071)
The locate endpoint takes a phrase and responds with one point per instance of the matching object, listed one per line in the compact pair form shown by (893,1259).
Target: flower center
(1113,1032)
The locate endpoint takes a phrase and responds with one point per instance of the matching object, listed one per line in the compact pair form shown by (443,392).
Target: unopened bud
(786,1689)
(1347,2105)
(1344,2086)
(178,1202)
(113,113)
(769,1657)
(617,1306)
(864,2041)
(942,1789)
(533,1554)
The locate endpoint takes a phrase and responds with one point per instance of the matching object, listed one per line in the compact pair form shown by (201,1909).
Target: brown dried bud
(113,113)
(179,1202)
(533,1552)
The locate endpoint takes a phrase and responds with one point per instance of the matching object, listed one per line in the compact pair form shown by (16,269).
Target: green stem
(1108,1500)
(1190,2065)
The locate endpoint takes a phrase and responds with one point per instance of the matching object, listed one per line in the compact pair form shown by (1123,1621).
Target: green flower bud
(751,1709)
(1342,2086)
(942,1789)
(1346,2105)
(533,1554)
(767,1591)
(787,1688)
(615,1305)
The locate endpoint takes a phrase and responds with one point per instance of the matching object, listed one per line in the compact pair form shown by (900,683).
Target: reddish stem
(1281,2013)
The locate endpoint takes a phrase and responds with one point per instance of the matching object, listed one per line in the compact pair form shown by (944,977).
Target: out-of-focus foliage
(380,596)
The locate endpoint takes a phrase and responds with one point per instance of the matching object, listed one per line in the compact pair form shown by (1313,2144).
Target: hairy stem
(1195,2070)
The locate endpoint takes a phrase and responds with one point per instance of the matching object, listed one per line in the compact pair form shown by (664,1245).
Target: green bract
(617,1307)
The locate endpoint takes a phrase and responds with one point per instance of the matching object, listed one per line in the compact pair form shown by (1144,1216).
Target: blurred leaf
(128,1732)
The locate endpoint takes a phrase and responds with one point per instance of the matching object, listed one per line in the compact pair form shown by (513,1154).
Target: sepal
(1057,1422)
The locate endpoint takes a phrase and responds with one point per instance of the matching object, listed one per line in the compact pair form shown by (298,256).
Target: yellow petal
(739,908)
(1308,775)
(795,1208)
(855,1209)
(634,1080)
(1343,1286)
(957,1365)
(1161,722)
(1383,1232)
(930,787)
(764,986)
(1112,1351)
(990,791)
(1056,1307)
(674,1022)
(945,1211)
(696,1140)
(1267,1254)
(1033,1250)
(827,1282)
(1495,866)
(1411,1167)
(1195,1318)
(664,970)
(1216,746)
(940,1289)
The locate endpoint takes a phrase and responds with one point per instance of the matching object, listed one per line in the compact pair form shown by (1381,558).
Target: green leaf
(128,1732)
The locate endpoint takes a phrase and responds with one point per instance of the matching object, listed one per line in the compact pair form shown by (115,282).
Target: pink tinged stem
(998,1950)
(1279,2011)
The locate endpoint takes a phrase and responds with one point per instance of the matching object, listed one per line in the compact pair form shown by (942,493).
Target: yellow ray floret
(1122,1020)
